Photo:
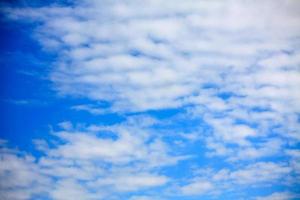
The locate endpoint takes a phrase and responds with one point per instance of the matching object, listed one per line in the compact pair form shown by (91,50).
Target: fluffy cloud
(235,63)
(233,66)
(213,182)
(158,54)
(196,188)
(80,162)
(133,182)
(278,196)
(20,177)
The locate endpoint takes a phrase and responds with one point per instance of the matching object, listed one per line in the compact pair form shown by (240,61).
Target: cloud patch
(230,69)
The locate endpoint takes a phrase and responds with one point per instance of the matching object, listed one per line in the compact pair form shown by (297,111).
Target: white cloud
(162,54)
(260,172)
(68,189)
(278,196)
(145,198)
(88,162)
(116,144)
(90,108)
(232,64)
(197,188)
(207,181)
(264,149)
(180,47)
(132,182)
(20,177)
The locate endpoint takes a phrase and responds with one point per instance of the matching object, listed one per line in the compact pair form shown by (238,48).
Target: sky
(150,100)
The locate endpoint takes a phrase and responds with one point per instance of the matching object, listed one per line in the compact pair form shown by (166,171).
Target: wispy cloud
(231,69)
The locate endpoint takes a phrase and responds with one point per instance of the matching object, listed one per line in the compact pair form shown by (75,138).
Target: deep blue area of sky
(28,105)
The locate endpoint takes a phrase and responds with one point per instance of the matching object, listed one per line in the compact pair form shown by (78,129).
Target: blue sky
(155,99)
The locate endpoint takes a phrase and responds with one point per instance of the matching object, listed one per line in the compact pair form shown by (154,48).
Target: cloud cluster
(154,54)
(210,181)
(76,163)
(91,163)
(233,65)
(239,59)
(278,196)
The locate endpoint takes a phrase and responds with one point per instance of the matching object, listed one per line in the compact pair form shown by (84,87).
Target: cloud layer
(230,68)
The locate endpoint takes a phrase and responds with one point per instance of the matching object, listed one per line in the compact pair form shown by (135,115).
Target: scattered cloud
(278,196)
(196,188)
(80,162)
(231,69)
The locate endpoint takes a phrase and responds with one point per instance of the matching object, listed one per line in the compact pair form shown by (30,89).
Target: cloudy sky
(150,100)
